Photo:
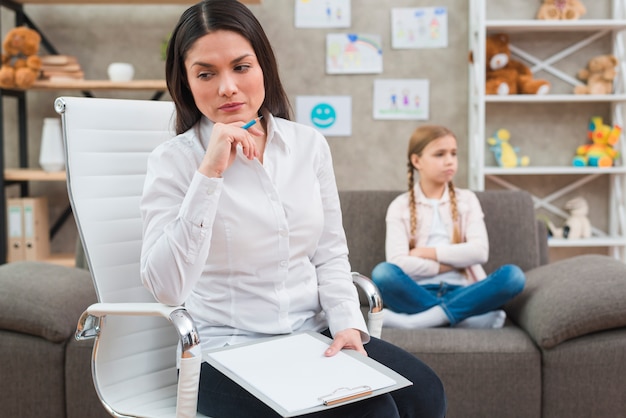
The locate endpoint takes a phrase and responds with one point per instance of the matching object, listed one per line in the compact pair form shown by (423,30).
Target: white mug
(120,71)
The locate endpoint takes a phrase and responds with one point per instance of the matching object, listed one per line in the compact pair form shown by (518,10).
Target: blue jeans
(402,294)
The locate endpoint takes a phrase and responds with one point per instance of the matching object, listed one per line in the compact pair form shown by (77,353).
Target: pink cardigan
(470,253)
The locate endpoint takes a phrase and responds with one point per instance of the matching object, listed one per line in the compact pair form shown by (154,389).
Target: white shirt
(259,252)
(440,236)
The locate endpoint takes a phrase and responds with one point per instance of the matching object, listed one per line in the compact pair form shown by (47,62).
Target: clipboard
(291,374)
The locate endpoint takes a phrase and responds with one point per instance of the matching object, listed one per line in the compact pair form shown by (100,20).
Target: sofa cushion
(43,299)
(571,298)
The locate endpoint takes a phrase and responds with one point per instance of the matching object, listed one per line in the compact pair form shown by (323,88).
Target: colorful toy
(600,152)
(20,63)
(577,225)
(598,75)
(561,9)
(505,75)
(506,154)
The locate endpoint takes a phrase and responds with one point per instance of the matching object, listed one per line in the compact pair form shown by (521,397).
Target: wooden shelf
(129,2)
(30,174)
(533,170)
(99,85)
(555,25)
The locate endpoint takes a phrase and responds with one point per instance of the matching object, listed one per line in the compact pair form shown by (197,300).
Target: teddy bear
(600,151)
(561,9)
(577,225)
(20,63)
(508,76)
(598,75)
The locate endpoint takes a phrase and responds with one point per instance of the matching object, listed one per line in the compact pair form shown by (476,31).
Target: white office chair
(134,364)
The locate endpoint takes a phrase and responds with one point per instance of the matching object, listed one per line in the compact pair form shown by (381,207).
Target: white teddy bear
(577,225)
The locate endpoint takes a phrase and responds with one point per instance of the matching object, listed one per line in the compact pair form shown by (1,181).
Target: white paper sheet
(294,373)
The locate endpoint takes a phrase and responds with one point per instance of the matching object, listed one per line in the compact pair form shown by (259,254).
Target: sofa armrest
(43,299)
(571,298)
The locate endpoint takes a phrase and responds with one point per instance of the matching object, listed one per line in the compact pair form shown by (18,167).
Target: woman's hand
(348,338)
(222,147)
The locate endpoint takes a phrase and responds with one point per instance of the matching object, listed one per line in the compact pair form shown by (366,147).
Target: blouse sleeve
(338,295)
(475,247)
(178,207)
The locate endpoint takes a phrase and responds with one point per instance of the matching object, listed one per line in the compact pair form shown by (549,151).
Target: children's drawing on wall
(322,14)
(401,99)
(331,115)
(422,27)
(351,53)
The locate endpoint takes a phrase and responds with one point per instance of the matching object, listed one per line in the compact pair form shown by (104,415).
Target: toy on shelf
(577,225)
(600,152)
(505,75)
(598,75)
(506,154)
(561,10)
(20,63)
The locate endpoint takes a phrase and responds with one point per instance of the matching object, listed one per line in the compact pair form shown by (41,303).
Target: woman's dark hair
(206,17)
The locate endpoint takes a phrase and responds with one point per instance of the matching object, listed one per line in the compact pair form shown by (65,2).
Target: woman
(436,241)
(244,227)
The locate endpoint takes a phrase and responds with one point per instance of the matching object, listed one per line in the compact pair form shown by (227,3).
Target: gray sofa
(562,352)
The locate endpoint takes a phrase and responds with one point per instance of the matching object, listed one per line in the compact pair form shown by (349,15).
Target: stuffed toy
(561,9)
(598,75)
(506,154)
(600,151)
(20,63)
(577,225)
(506,75)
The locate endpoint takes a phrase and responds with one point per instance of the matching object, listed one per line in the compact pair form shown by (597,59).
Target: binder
(291,374)
(15,230)
(36,231)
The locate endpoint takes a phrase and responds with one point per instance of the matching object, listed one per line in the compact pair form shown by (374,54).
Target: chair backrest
(107,143)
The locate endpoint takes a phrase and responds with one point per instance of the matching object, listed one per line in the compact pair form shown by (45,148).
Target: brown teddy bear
(506,75)
(599,75)
(561,9)
(20,63)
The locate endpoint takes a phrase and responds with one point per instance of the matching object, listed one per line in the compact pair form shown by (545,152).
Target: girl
(242,222)
(436,241)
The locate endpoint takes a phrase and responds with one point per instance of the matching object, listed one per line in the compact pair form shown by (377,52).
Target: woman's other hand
(348,338)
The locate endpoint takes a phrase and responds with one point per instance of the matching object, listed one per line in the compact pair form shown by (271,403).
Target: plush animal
(20,63)
(600,151)
(506,75)
(577,225)
(561,9)
(506,154)
(598,75)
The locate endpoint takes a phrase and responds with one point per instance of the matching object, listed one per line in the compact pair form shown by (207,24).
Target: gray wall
(372,158)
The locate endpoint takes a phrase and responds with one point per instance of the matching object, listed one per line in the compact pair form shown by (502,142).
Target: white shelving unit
(482,107)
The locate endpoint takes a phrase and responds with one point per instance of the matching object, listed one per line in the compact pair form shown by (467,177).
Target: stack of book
(61,68)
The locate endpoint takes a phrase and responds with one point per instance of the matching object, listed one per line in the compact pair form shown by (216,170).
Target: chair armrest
(375,301)
(189,366)
(88,324)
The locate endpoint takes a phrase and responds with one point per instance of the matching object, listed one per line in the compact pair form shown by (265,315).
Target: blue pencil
(252,122)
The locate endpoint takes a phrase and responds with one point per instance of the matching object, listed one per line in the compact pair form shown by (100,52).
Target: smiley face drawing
(323,115)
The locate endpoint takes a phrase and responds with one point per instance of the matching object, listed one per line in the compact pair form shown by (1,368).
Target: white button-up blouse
(260,251)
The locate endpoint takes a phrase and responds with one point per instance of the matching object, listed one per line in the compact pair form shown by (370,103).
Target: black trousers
(220,397)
